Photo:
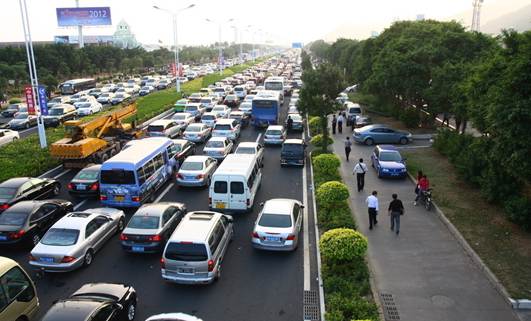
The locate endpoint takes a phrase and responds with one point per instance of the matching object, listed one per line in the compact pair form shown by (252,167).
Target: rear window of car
(87,175)
(13,219)
(275,220)
(354,110)
(273,132)
(245,150)
(144,222)
(190,252)
(7,192)
(214,144)
(60,237)
(292,148)
(208,117)
(155,128)
(222,127)
(192,166)
(190,108)
(220,187)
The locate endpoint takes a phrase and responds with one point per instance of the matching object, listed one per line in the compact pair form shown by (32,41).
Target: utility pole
(80,31)
(220,54)
(476,15)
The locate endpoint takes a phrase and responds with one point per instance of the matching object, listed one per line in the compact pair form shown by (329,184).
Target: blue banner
(90,16)
(296,45)
(43,100)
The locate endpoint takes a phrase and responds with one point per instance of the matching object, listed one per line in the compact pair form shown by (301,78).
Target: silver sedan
(73,240)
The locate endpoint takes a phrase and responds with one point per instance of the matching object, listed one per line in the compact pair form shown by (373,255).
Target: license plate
(189,177)
(138,249)
(46,259)
(119,198)
(186,270)
(220,205)
(81,187)
(272,238)
(3,237)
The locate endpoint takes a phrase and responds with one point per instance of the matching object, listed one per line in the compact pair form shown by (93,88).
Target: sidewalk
(424,271)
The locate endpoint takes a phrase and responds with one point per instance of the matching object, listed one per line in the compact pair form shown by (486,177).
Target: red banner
(173,70)
(30,100)
(180,70)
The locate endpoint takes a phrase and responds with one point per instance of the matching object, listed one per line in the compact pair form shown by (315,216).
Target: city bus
(265,108)
(73,86)
(275,84)
(133,176)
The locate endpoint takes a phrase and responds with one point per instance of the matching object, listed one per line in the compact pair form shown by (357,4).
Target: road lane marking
(50,171)
(258,138)
(166,190)
(61,174)
(78,205)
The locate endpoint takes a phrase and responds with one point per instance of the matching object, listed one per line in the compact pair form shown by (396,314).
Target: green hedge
(315,125)
(318,139)
(331,193)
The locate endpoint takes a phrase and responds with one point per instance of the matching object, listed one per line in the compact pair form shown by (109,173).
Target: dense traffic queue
(197,146)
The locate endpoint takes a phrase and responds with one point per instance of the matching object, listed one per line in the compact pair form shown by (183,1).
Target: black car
(19,189)
(11,110)
(86,182)
(293,152)
(27,221)
(181,149)
(96,301)
(241,118)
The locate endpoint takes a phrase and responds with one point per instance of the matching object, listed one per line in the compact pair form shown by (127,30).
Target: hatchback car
(380,134)
(278,225)
(26,188)
(222,110)
(86,182)
(209,119)
(184,119)
(227,128)
(293,152)
(151,226)
(26,222)
(274,135)
(388,162)
(22,121)
(196,171)
(218,147)
(97,302)
(197,132)
(164,128)
(73,240)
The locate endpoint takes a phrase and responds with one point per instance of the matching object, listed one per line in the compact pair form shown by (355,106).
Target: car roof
(95,167)
(279,206)
(195,226)
(209,114)
(294,141)
(196,158)
(187,114)
(225,121)
(27,206)
(70,309)
(248,144)
(162,122)
(279,127)
(219,139)
(155,209)
(15,182)
(75,220)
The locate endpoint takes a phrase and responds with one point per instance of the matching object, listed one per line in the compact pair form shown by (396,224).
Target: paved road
(254,285)
(426,271)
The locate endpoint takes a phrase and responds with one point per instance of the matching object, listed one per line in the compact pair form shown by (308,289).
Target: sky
(281,21)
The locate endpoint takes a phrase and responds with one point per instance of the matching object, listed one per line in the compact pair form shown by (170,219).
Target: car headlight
(385,170)
(403,169)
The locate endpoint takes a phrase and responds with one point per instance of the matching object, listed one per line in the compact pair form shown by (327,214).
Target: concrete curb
(515,304)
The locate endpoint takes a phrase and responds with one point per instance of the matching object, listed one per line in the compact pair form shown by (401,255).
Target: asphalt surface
(254,285)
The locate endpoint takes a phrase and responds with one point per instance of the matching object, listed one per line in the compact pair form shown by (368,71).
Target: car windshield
(7,192)
(238,89)
(390,157)
(179,117)
(293,148)
(85,105)
(21,116)
(206,101)
(144,222)
(119,95)
(87,175)
(208,117)
(60,237)
(55,111)
(13,219)
(186,251)
(297,118)
(190,108)
(231,97)
(222,127)
(105,95)
(354,110)
(245,105)
(218,109)
(274,132)
(245,150)
(192,166)
(155,128)
(214,144)
(118,176)
(275,220)
(193,129)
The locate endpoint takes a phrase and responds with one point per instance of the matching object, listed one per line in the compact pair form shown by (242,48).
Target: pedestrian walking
(340,120)
(348,145)
(360,169)
(446,118)
(334,123)
(372,206)
(396,208)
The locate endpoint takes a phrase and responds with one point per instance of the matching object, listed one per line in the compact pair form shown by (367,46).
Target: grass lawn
(504,247)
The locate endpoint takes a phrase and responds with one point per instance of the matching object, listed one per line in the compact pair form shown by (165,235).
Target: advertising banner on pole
(90,16)
(173,70)
(180,71)
(43,100)
(30,100)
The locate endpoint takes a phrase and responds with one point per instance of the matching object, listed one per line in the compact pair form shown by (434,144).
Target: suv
(293,152)
(195,250)
(59,114)
(387,161)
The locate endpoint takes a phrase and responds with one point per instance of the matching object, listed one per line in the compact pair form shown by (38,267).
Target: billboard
(89,16)
(296,45)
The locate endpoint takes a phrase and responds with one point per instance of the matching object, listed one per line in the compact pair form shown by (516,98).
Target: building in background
(123,37)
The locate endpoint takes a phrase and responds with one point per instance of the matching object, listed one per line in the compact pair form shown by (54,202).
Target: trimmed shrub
(331,193)
(15,101)
(326,164)
(410,117)
(338,216)
(518,209)
(317,140)
(342,245)
(315,125)
(341,308)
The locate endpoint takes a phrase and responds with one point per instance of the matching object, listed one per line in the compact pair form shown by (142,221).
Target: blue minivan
(388,162)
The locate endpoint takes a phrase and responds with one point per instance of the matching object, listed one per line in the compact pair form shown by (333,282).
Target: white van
(234,184)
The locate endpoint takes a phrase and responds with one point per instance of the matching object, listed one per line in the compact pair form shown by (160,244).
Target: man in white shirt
(340,120)
(372,205)
(360,169)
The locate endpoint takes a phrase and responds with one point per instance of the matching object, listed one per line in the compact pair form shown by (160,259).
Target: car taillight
(290,237)
(94,187)
(103,197)
(68,259)
(255,235)
(162,263)
(70,186)
(31,258)
(123,237)
(179,176)
(200,176)
(16,235)
(210,201)
(210,265)
(135,198)
(155,238)
(4,207)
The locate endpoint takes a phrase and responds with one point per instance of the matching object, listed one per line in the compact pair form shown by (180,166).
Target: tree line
(59,62)
(416,70)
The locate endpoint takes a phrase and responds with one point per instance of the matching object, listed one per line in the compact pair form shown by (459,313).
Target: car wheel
(121,225)
(403,141)
(14,139)
(369,141)
(56,190)
(131,311)
(89,257)
(379,173)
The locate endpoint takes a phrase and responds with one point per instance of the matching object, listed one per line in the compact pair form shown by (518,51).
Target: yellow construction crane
(97,140)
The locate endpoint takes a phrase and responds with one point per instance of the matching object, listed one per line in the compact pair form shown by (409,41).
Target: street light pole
(174,15)
(32,71)
(220,53)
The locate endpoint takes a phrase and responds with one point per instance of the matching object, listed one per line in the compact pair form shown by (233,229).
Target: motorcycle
(427,199)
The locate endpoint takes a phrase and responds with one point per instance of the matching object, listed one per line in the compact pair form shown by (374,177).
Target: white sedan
(222,110)
(8,136)
(88,108)
(184,119)
(218,147)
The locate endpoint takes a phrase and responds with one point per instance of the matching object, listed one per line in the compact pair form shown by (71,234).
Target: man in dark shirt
(396,208)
